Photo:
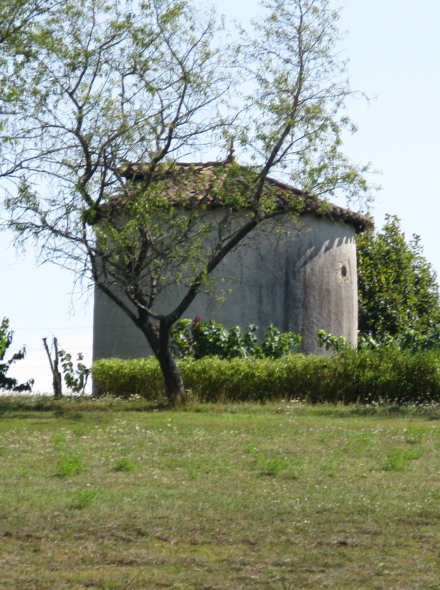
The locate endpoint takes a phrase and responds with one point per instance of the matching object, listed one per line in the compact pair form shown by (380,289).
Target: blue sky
(394,52)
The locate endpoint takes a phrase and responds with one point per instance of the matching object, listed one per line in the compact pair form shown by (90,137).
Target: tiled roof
(180,189)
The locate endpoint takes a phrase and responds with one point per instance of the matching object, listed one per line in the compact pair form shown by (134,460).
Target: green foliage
(74,377)
(112,86)
(212,339)
(288,54)
(276,344)
(200,339)
(17,18)
(9,383)
(330,342)
(407,340)
(368,377)
(398,291)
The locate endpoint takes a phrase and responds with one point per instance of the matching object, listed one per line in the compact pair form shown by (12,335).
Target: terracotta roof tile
(202,192)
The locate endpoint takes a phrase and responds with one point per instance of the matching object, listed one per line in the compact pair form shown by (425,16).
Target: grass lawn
(282,496)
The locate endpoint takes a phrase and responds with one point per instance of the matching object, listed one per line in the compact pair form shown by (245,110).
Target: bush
(366,376)
(9,383)
(200,339)
(410,340)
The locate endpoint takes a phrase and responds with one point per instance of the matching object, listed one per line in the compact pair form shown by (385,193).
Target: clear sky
(394,52)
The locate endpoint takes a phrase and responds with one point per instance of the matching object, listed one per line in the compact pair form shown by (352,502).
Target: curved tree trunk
(174,387)
(159,340)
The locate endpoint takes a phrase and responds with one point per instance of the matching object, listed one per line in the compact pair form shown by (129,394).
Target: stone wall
(304,279)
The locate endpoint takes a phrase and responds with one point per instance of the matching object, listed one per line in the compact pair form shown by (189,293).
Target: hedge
(364,377)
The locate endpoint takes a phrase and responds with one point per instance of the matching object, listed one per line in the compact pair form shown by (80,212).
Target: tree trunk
(158,337)
(174,387)
(56,375)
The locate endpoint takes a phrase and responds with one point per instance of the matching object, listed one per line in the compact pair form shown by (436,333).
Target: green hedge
(365,377)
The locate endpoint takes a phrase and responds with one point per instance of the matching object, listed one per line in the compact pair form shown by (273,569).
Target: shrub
(125,378)
(367,376)
(9,383)
(200,339)
(74,377)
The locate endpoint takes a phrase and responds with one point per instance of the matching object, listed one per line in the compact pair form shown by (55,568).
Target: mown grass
(282,496)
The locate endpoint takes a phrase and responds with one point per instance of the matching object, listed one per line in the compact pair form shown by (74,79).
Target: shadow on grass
(76,409)
(73,408)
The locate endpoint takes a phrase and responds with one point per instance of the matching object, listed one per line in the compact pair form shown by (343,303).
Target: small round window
(344,271)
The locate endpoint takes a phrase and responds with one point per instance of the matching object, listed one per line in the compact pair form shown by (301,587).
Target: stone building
(304,279)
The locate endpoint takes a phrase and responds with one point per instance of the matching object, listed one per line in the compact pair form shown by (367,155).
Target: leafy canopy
(90,89)
(398,289)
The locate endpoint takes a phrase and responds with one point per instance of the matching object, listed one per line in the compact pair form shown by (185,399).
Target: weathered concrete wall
(305,281)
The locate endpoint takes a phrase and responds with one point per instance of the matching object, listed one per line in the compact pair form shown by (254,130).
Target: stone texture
(304,281)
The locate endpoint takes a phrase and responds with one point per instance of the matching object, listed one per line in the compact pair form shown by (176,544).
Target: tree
(10,383)
(18,15)
(116,93)
(398,290)
(17,22)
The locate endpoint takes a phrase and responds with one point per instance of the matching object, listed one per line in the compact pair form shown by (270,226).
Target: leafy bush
(367,376)
(409,340)
(74,377)
(201,339)
(277,344)
(9,383)
(330,342)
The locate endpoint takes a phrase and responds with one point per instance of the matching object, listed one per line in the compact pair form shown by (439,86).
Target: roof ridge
(314,205)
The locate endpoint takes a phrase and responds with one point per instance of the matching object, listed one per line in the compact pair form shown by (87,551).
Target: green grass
(123,465)
(282,496)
